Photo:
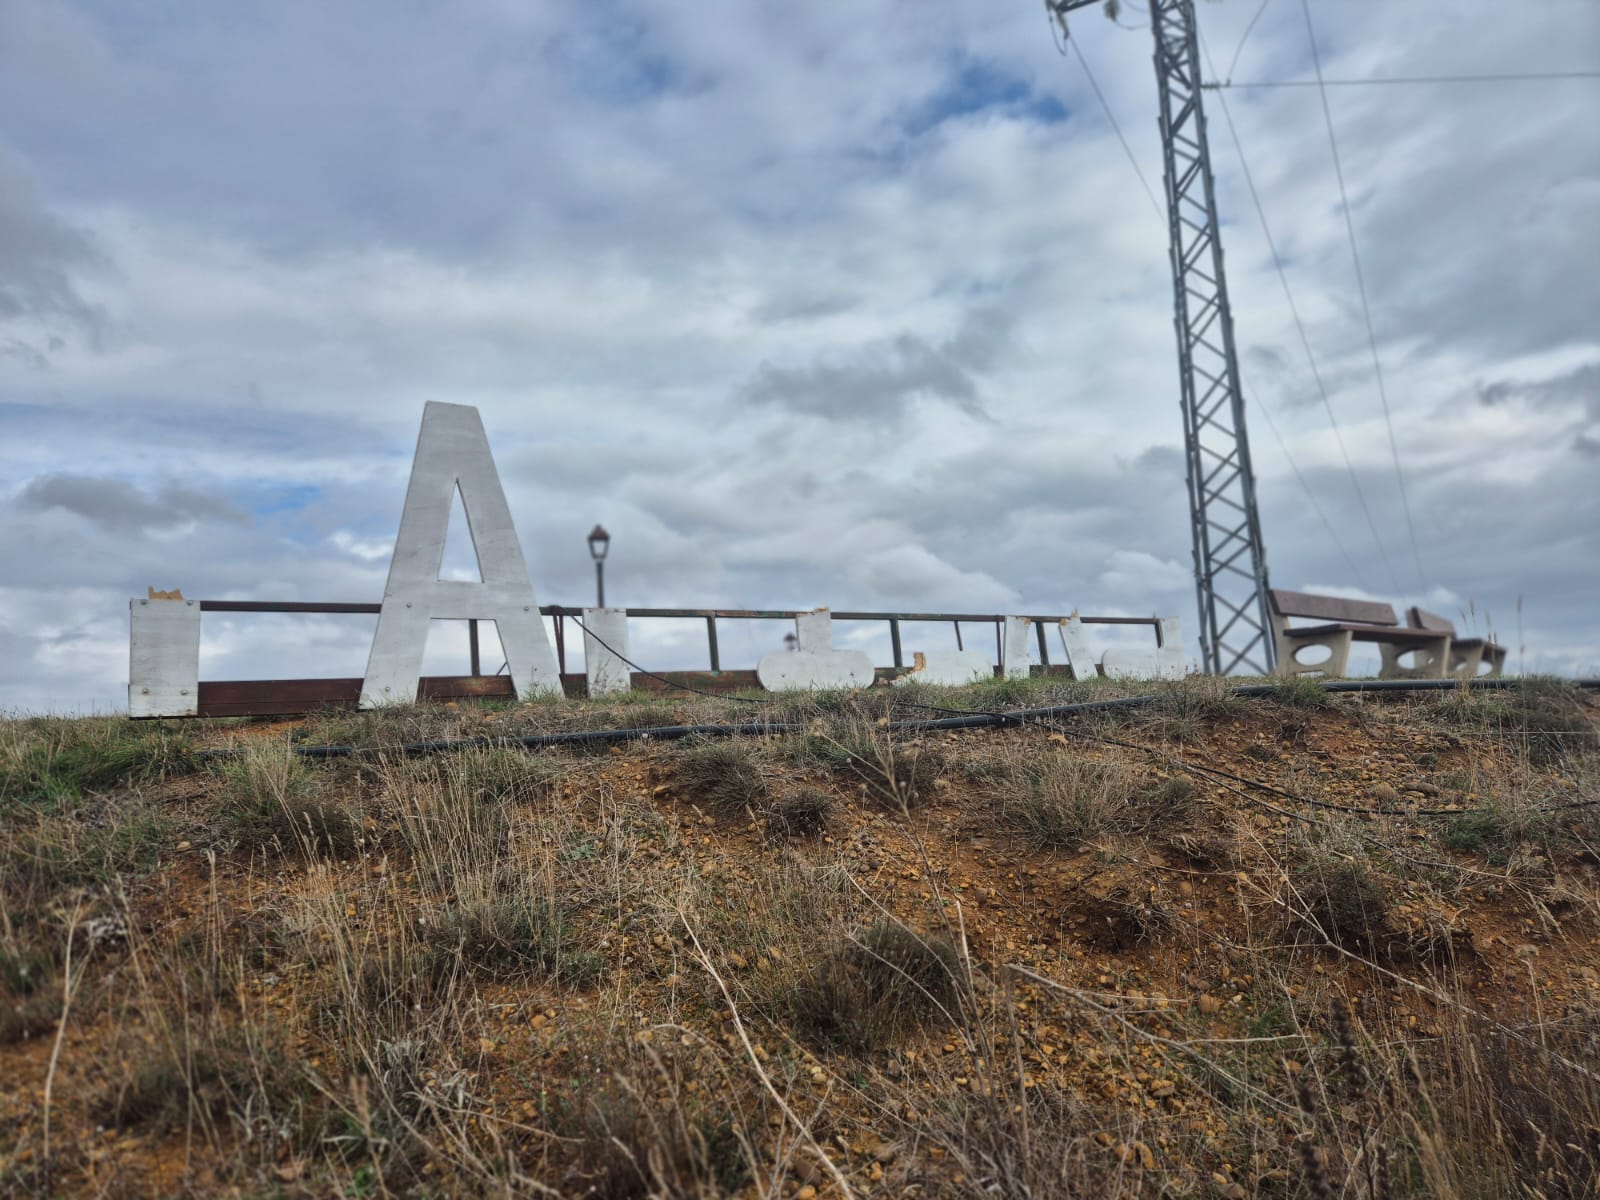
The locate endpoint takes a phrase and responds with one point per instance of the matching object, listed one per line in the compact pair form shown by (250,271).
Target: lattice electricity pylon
(1230,566)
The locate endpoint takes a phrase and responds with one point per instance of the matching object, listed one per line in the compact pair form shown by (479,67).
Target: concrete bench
(1344,622)
(1468,656)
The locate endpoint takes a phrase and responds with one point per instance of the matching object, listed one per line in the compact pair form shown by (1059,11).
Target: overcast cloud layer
(851,303)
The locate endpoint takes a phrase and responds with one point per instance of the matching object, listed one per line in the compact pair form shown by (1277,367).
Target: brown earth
(1168,996)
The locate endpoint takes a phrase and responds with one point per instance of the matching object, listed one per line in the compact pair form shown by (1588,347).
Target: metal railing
(560,614)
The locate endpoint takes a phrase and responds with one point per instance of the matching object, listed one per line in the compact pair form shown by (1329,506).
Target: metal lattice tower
(1230,565)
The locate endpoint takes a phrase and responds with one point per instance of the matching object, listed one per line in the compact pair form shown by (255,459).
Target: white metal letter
(453,453)
(817,665)
(605,649)
(163,657)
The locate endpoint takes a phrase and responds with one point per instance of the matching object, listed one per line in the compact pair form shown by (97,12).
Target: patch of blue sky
(977,87)
(276,499)
(610,60)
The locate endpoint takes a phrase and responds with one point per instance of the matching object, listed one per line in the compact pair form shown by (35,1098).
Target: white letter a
(452,453)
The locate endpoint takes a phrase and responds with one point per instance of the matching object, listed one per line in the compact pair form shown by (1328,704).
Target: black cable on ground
(963,719)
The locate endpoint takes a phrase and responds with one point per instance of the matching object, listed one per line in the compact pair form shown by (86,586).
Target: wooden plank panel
(1333,608)
(1421,618)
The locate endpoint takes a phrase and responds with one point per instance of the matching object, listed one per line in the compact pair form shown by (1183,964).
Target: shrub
(1488,832)
(723,776)
(1345,901)
(1062,800)
(275,801)
(805,813)
(508,937)
(30,994)
(870,990)
(643,1130)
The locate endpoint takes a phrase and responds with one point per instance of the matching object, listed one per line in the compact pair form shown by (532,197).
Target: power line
(1349,561)
(1361,286)
(1110,116)
(1305,344)
(1245,37)
(1402,80)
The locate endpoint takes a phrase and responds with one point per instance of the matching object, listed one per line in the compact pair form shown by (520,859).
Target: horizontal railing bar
(286,606)
(752,614)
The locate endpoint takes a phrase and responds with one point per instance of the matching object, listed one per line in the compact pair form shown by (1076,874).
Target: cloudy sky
(855,302)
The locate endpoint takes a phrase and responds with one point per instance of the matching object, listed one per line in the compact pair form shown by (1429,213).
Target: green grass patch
(50,762)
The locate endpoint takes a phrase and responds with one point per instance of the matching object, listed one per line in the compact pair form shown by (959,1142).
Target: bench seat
(1468,656)
(1369,633)
(1344,622)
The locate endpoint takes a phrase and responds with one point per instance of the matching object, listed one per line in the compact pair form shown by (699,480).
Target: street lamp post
(599,544)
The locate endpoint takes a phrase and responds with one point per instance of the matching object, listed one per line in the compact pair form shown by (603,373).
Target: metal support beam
(1230,565)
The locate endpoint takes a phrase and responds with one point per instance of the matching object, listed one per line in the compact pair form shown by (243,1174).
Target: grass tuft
(723,777)
(1548,718)
(872,989)
(802,814)
(1345,900)
(276,802)
(1057,799)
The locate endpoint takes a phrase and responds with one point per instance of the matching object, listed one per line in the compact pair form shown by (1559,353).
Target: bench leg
(1464,663)
(1332,667)
(1495,656)
(1432,659)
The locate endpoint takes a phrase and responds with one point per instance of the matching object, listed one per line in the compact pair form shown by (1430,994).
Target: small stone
(1209,1004)
(806,1193)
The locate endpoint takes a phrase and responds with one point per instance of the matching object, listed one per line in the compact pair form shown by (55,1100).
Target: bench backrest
(1421,618)
(1332,608)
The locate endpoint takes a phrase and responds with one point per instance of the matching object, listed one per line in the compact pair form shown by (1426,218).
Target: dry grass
(1000,965)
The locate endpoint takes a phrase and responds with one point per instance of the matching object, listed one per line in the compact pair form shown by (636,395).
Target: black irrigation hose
(966,720)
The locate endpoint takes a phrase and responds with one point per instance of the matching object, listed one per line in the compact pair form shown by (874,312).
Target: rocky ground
(1300,945)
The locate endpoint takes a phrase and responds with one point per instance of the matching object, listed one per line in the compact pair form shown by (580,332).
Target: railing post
(561,644)
(472,647)
(894,640)
(1044,649)
(711,640)
(957,624)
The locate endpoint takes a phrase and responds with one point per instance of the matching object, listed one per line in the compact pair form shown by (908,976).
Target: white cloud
(675,254)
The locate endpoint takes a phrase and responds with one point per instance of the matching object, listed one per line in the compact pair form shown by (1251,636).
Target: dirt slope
(1297,946)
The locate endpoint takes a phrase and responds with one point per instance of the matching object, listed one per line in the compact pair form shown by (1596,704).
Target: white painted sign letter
(453,454)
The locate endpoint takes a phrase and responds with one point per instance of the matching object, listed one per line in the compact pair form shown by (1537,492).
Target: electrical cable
(1405,80)
(1105,107)
(1245,37)
(1305,339)
(1333,533)
(1361,287)
(682,687)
